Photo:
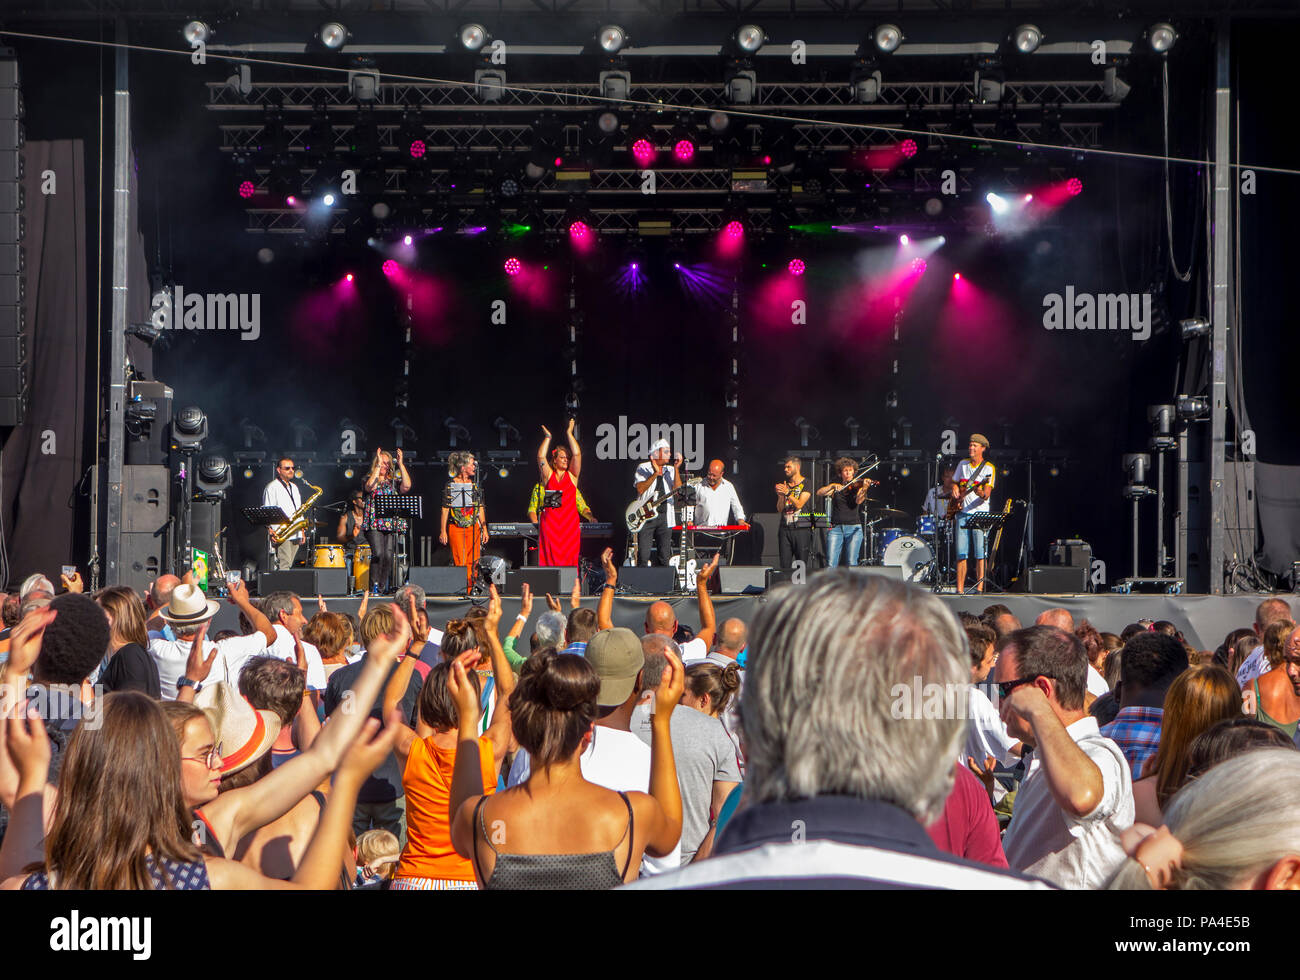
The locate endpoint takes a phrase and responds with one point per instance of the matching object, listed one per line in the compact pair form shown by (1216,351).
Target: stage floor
(1204,619)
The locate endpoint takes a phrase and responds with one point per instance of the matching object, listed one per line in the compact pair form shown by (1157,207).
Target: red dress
(559,536)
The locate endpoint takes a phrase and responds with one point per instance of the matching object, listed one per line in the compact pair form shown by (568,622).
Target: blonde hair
(1275,637)
(1234,822)
(378,851)
(457,460)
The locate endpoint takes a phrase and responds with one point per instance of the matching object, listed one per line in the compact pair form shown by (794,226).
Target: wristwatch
(185,682)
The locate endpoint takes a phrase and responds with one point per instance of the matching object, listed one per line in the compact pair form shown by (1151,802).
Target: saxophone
(298,522)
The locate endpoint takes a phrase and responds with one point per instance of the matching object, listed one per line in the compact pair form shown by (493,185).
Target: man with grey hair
(843,775)
(36,583)
(707,768)
(284,610)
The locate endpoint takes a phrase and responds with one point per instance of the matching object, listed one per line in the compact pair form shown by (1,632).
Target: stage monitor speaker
(742,579)
(567,574)
(1057,579)
(142,559)
(655,580)
(438,579)
(304,582)
(540,581)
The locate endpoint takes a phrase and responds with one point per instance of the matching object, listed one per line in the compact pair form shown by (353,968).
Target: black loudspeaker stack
(305,582)
(13,291)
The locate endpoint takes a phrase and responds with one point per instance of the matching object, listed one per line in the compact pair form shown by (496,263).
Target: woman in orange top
(428,758)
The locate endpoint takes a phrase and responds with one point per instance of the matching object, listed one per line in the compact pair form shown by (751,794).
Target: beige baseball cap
(617,656)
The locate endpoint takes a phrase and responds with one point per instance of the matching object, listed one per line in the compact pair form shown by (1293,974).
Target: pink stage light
(795,267)
(643,152)
(291,201)
(918,265)
(390,267)
(348,277)
(417,149)
(684,151)
(907,148)
(579,231)
(734,229)
(513,266)
(956,275)
(246,189)
(1075,186)
(407,239)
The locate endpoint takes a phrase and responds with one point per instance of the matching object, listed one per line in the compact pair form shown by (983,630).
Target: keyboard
(711,529)
(598,529)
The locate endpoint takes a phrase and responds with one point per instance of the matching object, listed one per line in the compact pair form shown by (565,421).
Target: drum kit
(920,548)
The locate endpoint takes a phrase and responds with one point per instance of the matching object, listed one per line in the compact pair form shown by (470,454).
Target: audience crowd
(856,733)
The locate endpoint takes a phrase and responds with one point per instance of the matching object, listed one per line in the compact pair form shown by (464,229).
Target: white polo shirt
(286,497)
(717,505)
(986,736)
(1079,853)
(171,656)
(283,647)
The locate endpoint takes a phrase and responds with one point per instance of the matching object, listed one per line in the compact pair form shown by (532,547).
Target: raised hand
(28,745)
(462,692)
(546,432)
(198,667)
(552,603)
(238,590)
(575,594)
(25,640)
(607,563)
(706,573)
(400,459)
(371,746)
(569,430)
(526,601)
(320,604)
(671,685)
(393,645)
(984,772)
(72,583)
(493,619)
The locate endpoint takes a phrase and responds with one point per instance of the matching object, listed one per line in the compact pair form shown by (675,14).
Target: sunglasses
(1006,687)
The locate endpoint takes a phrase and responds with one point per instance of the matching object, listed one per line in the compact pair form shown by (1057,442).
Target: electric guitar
(965,489)
(638,514)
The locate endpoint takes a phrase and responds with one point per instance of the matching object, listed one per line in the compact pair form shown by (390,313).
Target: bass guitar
(965,489)
(639,514)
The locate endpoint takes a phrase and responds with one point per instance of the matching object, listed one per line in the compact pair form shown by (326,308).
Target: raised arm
(239,597)
(24,648)
(467,776)
(575,453)
(1074,779)
(544,467)
(503,677)
(656,468)
(404,482)
(663,818)
(372,477)
(708,620)
(605,608)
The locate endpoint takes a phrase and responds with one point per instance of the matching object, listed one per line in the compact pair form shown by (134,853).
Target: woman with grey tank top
(556,829)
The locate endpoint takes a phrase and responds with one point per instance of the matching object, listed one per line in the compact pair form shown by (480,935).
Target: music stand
(468,496)
(985,521)
(261,516)
(397,505)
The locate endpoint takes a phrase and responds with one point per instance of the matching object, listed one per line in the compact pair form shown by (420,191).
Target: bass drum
(909,553)
(361,569)
(885,536)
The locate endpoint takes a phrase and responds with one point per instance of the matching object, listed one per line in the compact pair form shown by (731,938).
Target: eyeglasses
(212,759)
(1005,688)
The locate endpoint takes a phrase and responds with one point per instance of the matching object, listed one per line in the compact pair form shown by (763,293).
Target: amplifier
(741,579)
(655,580)
(438,579)
(556,580)
(1071,552)
(1057,579)
(304,582)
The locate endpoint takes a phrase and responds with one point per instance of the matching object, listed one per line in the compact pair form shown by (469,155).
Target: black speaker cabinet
(540,580)
(741,579)
(655,580)
(304,582)
(1057,579)
(438,579)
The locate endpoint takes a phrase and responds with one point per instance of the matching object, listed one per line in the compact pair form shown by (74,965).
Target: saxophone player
(282,492)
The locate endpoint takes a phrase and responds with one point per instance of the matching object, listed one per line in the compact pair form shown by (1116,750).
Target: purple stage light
(684,151)
(796,267)
(417,149)
(1075,186)
(246,189)
(390,267)
(907,148)
(291,201)
(513,266)
(643,152)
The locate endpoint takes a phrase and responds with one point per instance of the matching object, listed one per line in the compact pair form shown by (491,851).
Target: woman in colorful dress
(559,535)
(463,528)
(382,532)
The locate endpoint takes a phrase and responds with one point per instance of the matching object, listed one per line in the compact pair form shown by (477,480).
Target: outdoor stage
(1205,620)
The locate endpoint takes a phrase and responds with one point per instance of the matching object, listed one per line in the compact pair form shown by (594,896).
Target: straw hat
(189,606)
(245,733)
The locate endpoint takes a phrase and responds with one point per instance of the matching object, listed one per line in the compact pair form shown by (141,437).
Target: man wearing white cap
(654,478)
(186,611)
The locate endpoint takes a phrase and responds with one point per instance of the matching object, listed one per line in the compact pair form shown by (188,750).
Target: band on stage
(671,520)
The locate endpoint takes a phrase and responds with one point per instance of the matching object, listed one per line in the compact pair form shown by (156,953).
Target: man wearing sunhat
(972,485)
(185,612)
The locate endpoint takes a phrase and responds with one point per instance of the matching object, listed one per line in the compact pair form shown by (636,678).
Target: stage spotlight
(513,266)
(1075,186)
(196,32)
(416,148)
(390,268)
(1194,327)
(189,429)
(907,148)
(1028,38)
(997,203)
(348,277)
(247,189)
(733,230)
(887,38)
(1161,37)
(607,122)
(213,477)
(579,231)
(1193,406)
(643,152)
(291,200)
(333,35)
(919,266)
(904,240)
(956,275)
(612,39)
(328,200)
(683,145)
(749,38)
(795,267)
(473,36)
(719,121)
(407,240)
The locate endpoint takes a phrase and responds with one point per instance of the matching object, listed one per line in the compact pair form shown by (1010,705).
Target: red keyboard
(706,529)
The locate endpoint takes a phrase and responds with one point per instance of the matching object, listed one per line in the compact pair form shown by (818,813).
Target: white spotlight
(333,35)
(750,38)
(996,202)
(196,32)
(1162,37)
(328,200)
(1028,38)
(473,36)
(611,39)
(888,37)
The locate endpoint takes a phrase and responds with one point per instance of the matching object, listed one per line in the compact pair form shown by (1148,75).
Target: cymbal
(880,510)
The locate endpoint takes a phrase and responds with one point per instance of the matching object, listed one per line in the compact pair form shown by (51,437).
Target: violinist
(847,498)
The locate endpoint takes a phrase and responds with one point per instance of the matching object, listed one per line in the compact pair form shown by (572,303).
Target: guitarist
(655,478)
(971,488)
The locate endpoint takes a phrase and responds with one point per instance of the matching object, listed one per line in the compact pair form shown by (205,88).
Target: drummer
(936,500)
(847,498)
(349,532)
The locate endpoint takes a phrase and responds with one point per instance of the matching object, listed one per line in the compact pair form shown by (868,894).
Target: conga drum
(361,568)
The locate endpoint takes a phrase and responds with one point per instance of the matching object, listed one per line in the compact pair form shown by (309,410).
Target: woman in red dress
(558,531)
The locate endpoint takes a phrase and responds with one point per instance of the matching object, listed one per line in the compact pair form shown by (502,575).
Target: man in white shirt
(655,478)
(284,610)
(1077,796)
(971,488)
(1256,665)
(986,735)
(718,502)
(282,492)
(936,498)
(185,612)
